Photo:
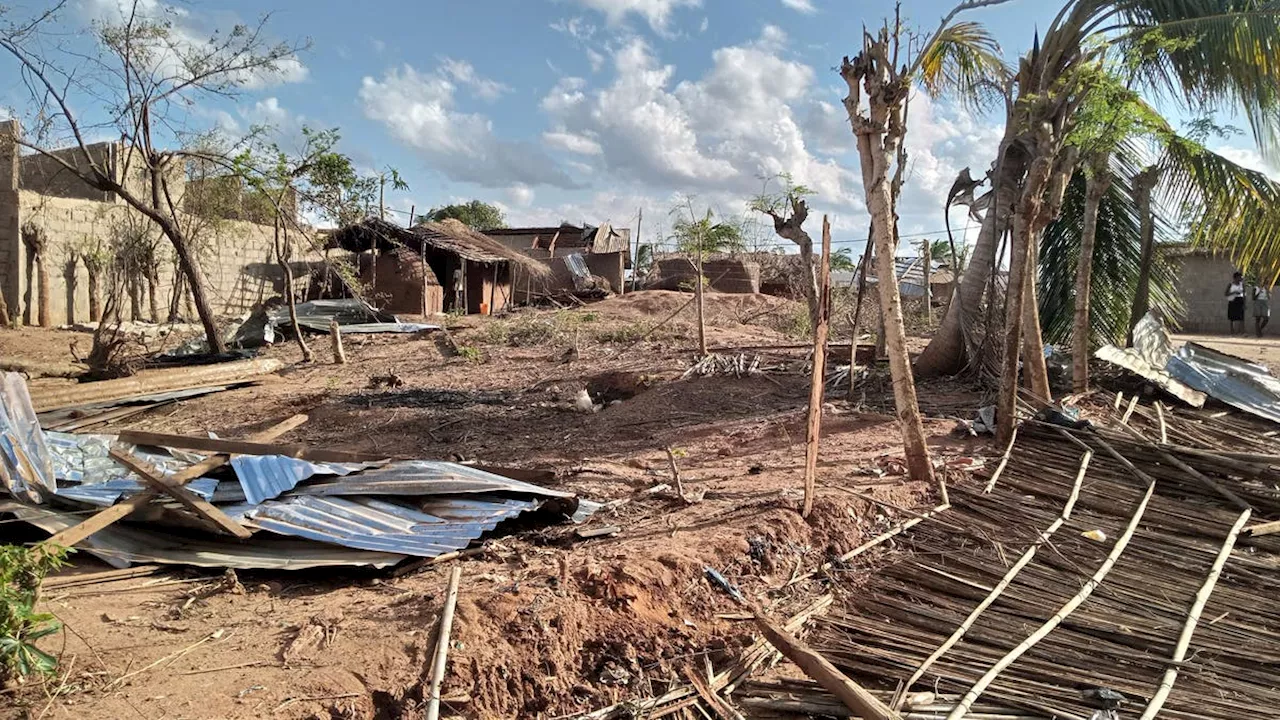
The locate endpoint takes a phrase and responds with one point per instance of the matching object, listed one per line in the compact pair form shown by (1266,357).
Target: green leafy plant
(22,569)
(471,354)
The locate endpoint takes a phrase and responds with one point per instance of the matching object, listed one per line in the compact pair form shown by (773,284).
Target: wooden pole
(335,335)
(697,290)
(813,426)
(855,697)
(927,254)
(1193,617)
(857,311)
(635,259)
(442,645)
(193,502)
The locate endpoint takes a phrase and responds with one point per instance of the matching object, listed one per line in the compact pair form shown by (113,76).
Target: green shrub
(22,569)
(471,354)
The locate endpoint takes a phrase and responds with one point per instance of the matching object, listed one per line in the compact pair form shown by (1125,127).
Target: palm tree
(1204,54)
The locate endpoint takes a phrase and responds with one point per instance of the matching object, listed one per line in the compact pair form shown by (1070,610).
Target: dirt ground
(1264,350)
(548,624)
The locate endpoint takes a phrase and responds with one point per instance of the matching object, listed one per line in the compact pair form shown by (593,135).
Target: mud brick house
(605,250)
(1203,276)
(56,230)
(436,267)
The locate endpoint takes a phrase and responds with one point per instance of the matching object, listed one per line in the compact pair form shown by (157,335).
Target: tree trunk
(70,284)
(1019,257)
(1095,189)
(284,253)
(176,297)
(153,292)
(135,295)
(190,264)
(1143,184)
(46,288)
(817,381)
(946,351)
(1037,371)
(810,280)
(94,271)
(5,320)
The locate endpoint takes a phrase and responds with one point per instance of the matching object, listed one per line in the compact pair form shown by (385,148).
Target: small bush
(22,569)
(471,354)
(623,335)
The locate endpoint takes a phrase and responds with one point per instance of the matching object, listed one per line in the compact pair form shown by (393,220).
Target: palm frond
(1226,207)
(1209,54)
(964,61)
(1117,256)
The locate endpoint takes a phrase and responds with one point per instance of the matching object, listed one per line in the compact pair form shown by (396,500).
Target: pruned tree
(145,76)
(879,80)
(699,236)
(788,209)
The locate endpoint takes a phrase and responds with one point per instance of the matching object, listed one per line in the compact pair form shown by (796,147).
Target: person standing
(1235,303)
(1261,308)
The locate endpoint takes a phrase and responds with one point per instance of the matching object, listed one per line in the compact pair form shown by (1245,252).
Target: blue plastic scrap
(723,583)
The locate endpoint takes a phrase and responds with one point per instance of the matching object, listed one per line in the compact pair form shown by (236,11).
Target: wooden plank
(244,447)
(151,382)
(1267,528)
(193,502)
(77,533)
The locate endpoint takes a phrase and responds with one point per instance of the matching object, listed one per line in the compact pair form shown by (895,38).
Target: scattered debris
(723,583)
(148,384)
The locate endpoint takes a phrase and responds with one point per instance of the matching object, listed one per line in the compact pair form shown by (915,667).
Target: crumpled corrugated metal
(1237,382)
(263,477)
(26,466)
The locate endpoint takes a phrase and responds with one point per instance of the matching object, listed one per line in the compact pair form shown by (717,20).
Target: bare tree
(145,75)
(788,209)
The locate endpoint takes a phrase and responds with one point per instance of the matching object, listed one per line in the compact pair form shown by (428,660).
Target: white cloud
(418,109)
(706,23)
(379,46)
(801,6)
(1249,158)
(269,111)
(576,27)
(716,135)
(656,12)
(572,142)
(190,35)
(521,195)
(596,59)
(462,72)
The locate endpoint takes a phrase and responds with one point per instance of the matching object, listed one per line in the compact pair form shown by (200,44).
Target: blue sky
(587,110)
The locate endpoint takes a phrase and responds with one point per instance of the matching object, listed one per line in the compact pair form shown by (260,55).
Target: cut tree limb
(242,447)
(150,382)
(442,645)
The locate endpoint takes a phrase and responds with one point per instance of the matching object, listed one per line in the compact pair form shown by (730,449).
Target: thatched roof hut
(448,236)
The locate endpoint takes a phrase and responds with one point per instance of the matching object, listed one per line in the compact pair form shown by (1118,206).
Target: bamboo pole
(442,645)
(962,707)
(1004,460)
(1164,434)
(335,335)
(1004,581)
(1189,629)
(813,424)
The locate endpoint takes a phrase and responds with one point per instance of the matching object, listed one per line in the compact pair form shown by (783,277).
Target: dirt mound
(723,310)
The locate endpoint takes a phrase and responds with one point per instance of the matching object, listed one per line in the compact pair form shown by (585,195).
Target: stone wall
(237,257)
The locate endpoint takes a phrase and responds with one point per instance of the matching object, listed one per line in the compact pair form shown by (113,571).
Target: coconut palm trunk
(1143,183)
(1097,182)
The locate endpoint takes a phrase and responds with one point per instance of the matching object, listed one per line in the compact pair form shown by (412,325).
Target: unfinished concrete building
(75,245)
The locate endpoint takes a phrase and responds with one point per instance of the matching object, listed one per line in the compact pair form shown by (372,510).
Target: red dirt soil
(547,624)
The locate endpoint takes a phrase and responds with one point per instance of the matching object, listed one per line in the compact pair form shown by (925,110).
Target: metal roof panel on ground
(120,546)
(371,524)
(26,465)
(422,477)
(1235,381)
(263,477)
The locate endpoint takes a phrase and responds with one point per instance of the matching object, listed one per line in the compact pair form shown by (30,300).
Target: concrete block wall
(1202,280)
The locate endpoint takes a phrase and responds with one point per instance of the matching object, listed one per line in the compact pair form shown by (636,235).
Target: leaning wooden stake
(962,708)
(1193,617)
(1004,460)
(813,427)
(1003,584)
(335,334)
(854,696)
(442,645)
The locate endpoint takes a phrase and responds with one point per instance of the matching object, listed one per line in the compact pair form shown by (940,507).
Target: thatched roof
(448,236)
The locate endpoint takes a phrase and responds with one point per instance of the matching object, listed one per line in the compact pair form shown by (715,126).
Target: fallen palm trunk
(150,383)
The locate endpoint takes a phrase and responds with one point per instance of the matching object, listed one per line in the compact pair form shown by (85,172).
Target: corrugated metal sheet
(1236,382)
(263,477)
(377,525)
(120,546)
(85,472)
(26,466)
(316,314)
(386,327)
(422,477)
(1134,362)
